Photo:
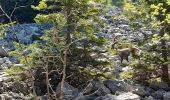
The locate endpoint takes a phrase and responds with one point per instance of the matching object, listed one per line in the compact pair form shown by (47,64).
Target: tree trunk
(165,76)
(106,2)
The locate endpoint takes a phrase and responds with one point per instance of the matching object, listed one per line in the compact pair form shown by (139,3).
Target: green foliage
(118,2)
(155,80)
(156,14)
(127,74)
(3,29)
(41,5)
(136,12)
(15,70)
(74,29)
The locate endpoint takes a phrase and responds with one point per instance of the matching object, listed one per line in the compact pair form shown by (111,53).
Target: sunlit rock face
(26,33)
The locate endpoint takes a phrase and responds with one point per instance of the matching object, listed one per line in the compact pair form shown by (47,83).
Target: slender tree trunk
(107,2)
(165,76)
(69,23)
(47,79)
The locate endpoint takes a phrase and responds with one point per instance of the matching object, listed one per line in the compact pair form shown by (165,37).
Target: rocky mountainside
(95,90)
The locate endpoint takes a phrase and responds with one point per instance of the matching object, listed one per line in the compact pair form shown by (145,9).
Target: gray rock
(7,97)
(114,85)
(18,87)
(123,21)
(107,97)
(159,85)
(149,90)
(1,90)
(2,97)
(125,27)
(149,98)
(3,52)
(147,46)
(16,96)
(96,88)
(1,60)
(141,91)
(26,33)
(6,59)
(119,86)
(14,60)
(26,52)
(158,94)
(166,96)
(4,66)
(69,91)
(85,97)
(128,96)
(6,44)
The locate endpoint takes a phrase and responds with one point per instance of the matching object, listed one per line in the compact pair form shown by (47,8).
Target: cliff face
(22,15)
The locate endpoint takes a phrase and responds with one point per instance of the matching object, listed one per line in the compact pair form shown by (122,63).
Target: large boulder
(26,33)
(118,86)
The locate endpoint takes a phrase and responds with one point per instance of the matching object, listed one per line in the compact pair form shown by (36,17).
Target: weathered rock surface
(128,96)
(3,52)
(69,91)
(166,96)
(96,88)
(26,33)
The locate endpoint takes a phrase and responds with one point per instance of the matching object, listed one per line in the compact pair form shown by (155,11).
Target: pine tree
(74,28)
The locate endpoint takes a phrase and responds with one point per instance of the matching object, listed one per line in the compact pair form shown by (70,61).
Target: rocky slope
(106,90)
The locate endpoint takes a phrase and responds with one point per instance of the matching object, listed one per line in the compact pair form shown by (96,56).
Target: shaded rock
(149,90)
(69,91)
(166,96)
(96,88)
(141,91)
(19,87)
(159,85)
(1,90)
(14,60)
(113,85)
(149,98)
(118,86)
(158,94)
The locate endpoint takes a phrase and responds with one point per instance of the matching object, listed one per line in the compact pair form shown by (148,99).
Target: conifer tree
(75,25)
